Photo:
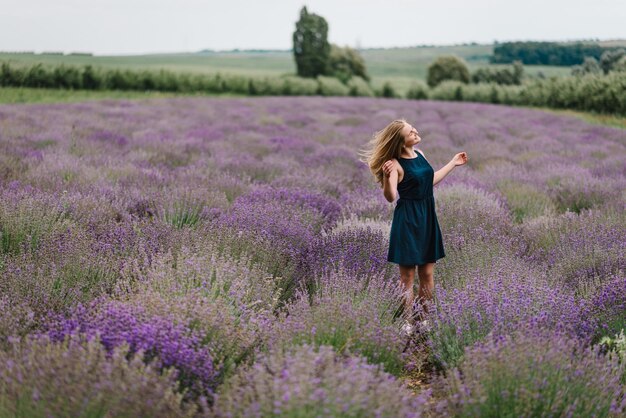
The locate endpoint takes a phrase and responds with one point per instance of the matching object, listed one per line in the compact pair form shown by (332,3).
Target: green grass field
(9,95)
(399,66)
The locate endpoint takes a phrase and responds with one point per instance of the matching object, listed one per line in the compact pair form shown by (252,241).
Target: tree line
(548,53)
(87,77)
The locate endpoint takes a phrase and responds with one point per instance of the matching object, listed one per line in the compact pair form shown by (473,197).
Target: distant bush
(606,94)
(329,86)
(448,67)
(91,80)
(610,58)
(418,90)
(235,84)
(589,66)
(448,90)
(592,92)
(346,63)
(387,90)
(37,76)
(265,86)
(508,76)
(298,86)
(620,65)
(359,87)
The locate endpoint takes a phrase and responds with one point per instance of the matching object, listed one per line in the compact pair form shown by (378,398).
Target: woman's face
(411,136)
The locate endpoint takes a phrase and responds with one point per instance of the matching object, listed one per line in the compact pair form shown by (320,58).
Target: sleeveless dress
(415,236)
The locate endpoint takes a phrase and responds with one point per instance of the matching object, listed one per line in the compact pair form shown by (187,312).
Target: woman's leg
(427,284)
(407,276)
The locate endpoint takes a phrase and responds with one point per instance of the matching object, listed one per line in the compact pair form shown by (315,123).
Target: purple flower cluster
(159,338)
(608,307)
(499,304)
(359,251)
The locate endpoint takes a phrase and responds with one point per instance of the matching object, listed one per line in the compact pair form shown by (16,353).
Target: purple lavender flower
(169,344)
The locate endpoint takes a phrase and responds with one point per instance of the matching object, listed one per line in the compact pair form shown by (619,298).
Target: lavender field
(227,258)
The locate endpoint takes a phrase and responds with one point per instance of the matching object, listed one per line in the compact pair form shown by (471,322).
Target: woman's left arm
(458,159)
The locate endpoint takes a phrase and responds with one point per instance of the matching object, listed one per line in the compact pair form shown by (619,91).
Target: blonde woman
(415,238)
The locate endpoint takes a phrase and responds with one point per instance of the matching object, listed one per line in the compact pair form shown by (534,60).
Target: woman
(415,238)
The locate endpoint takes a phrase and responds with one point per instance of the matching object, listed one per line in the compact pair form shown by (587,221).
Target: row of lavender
(228,258)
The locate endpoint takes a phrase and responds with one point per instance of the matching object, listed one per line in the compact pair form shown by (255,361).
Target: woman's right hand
(388,167)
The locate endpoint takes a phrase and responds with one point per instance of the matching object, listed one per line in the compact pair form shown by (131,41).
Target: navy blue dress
(415,236)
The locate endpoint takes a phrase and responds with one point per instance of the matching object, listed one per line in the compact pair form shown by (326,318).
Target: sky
(126,27)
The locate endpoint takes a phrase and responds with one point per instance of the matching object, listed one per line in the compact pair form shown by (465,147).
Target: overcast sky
(106,27)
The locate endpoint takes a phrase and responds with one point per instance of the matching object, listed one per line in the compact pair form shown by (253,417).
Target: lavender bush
(607,307)
(534,373)
(227,303)
(579,250)
(159,337)
(498,304)
(26,217)
(359,251)
(526,201)
(77,377)
(348,314)
(617,344)
(17,319)
(309,382)
(61,273)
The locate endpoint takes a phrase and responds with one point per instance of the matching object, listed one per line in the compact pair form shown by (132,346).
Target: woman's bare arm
(459,159)
(390,181)
(443,172)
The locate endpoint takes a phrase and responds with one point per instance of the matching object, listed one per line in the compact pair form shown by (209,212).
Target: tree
(311,49)
(447,67)
(507,76)
(346,63)
(620,65)
(589,66)
(610,58)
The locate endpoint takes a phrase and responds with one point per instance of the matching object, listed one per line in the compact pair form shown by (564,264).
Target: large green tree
(311,48)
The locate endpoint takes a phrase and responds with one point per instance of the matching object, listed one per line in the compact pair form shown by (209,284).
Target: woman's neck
(408,152)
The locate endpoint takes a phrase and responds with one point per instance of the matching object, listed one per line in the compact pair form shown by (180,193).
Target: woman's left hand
(460,158)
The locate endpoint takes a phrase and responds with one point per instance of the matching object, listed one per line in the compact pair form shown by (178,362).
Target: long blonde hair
(383,146)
